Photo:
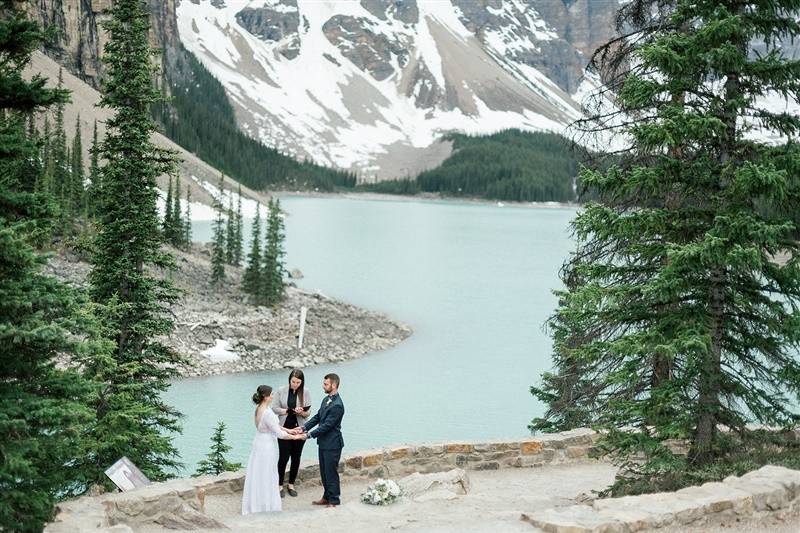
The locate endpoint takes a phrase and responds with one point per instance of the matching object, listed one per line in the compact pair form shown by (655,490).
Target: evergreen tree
(237,250)
(130,412)
(61,179)
(76,171)
(178,225)
(167,225)
(41,406)
(569,392)
(230,233)
(215,462)
(218,250)
(94,189)
(33,134)
(35,140)
(45,183)
(187,227)
(252,278)
(683,320)
(273,268)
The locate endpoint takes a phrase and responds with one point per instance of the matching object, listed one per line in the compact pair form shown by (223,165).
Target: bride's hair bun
(261,392)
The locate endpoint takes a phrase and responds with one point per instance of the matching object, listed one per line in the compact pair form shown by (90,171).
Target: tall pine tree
(76,197)
(61,179)
(187,226)
(167,225)
(230,234)
(218,249)
(131,414)
(252,278)
(273,268)
(177,216)
(45,184)
(238,244)
(42,412)
(94,189)
(682,319)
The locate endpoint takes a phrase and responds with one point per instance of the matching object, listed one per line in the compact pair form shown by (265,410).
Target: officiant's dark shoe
(291,492)
(321,501)
(283,493)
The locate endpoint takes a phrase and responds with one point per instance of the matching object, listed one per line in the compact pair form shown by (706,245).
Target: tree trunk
(709,382)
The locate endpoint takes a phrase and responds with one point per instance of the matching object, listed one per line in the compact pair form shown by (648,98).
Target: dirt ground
(495,503)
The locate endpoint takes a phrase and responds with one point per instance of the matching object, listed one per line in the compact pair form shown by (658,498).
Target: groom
(329,439)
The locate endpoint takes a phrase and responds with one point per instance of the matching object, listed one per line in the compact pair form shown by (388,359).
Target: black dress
(290,449)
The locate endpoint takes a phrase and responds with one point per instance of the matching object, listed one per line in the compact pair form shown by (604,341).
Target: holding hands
(297,434)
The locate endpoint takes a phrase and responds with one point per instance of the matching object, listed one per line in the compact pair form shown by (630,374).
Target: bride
(261,479)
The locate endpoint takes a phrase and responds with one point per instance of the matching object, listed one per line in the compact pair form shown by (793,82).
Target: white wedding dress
(261,492)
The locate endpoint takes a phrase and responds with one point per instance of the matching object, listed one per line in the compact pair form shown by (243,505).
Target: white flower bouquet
(382,492)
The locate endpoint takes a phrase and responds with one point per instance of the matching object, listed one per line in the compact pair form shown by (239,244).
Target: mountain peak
(372,85)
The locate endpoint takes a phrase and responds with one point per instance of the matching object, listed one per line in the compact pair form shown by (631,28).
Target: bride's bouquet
(382,492)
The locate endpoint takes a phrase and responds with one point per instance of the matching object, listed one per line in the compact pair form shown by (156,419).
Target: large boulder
(435,486)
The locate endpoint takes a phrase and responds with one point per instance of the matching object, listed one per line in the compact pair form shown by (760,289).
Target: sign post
(126,476)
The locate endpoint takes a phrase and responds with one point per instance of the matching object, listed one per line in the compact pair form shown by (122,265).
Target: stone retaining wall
(180,503)
(768,489)
(556,448)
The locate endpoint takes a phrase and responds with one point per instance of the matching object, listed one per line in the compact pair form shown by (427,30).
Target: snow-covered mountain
(371,85)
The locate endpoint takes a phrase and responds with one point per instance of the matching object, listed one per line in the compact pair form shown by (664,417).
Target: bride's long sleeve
(272,424)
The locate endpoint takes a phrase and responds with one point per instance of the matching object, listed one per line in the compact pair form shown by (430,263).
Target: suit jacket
(281,402)
(329,424)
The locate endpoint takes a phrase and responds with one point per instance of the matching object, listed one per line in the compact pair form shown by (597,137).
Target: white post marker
(303,313)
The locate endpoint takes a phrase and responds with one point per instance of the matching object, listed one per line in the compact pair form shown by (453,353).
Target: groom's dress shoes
(321,501)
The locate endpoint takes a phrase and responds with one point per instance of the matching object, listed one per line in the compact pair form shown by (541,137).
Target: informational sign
(126,476)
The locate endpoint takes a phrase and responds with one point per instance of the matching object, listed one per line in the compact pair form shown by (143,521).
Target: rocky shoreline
(425,197)
(256,338)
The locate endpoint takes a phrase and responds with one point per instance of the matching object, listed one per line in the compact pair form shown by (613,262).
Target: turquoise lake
(475,283)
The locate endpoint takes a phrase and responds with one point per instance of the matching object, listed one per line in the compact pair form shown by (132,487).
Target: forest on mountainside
(199,117)
(509,165)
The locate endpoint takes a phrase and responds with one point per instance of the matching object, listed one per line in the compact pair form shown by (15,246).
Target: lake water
(473,281)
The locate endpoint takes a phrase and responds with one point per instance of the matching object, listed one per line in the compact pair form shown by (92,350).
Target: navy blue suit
(328,432)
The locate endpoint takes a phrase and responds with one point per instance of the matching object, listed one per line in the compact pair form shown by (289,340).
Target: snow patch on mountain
(372,85)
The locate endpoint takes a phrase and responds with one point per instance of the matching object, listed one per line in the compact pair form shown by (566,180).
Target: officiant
(292,404)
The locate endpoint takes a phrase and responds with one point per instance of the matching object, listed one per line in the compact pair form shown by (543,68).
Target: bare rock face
(274,24)
(78,41)
(402,10)
(368,50)
(422,86)
(79,38)
(555,37)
